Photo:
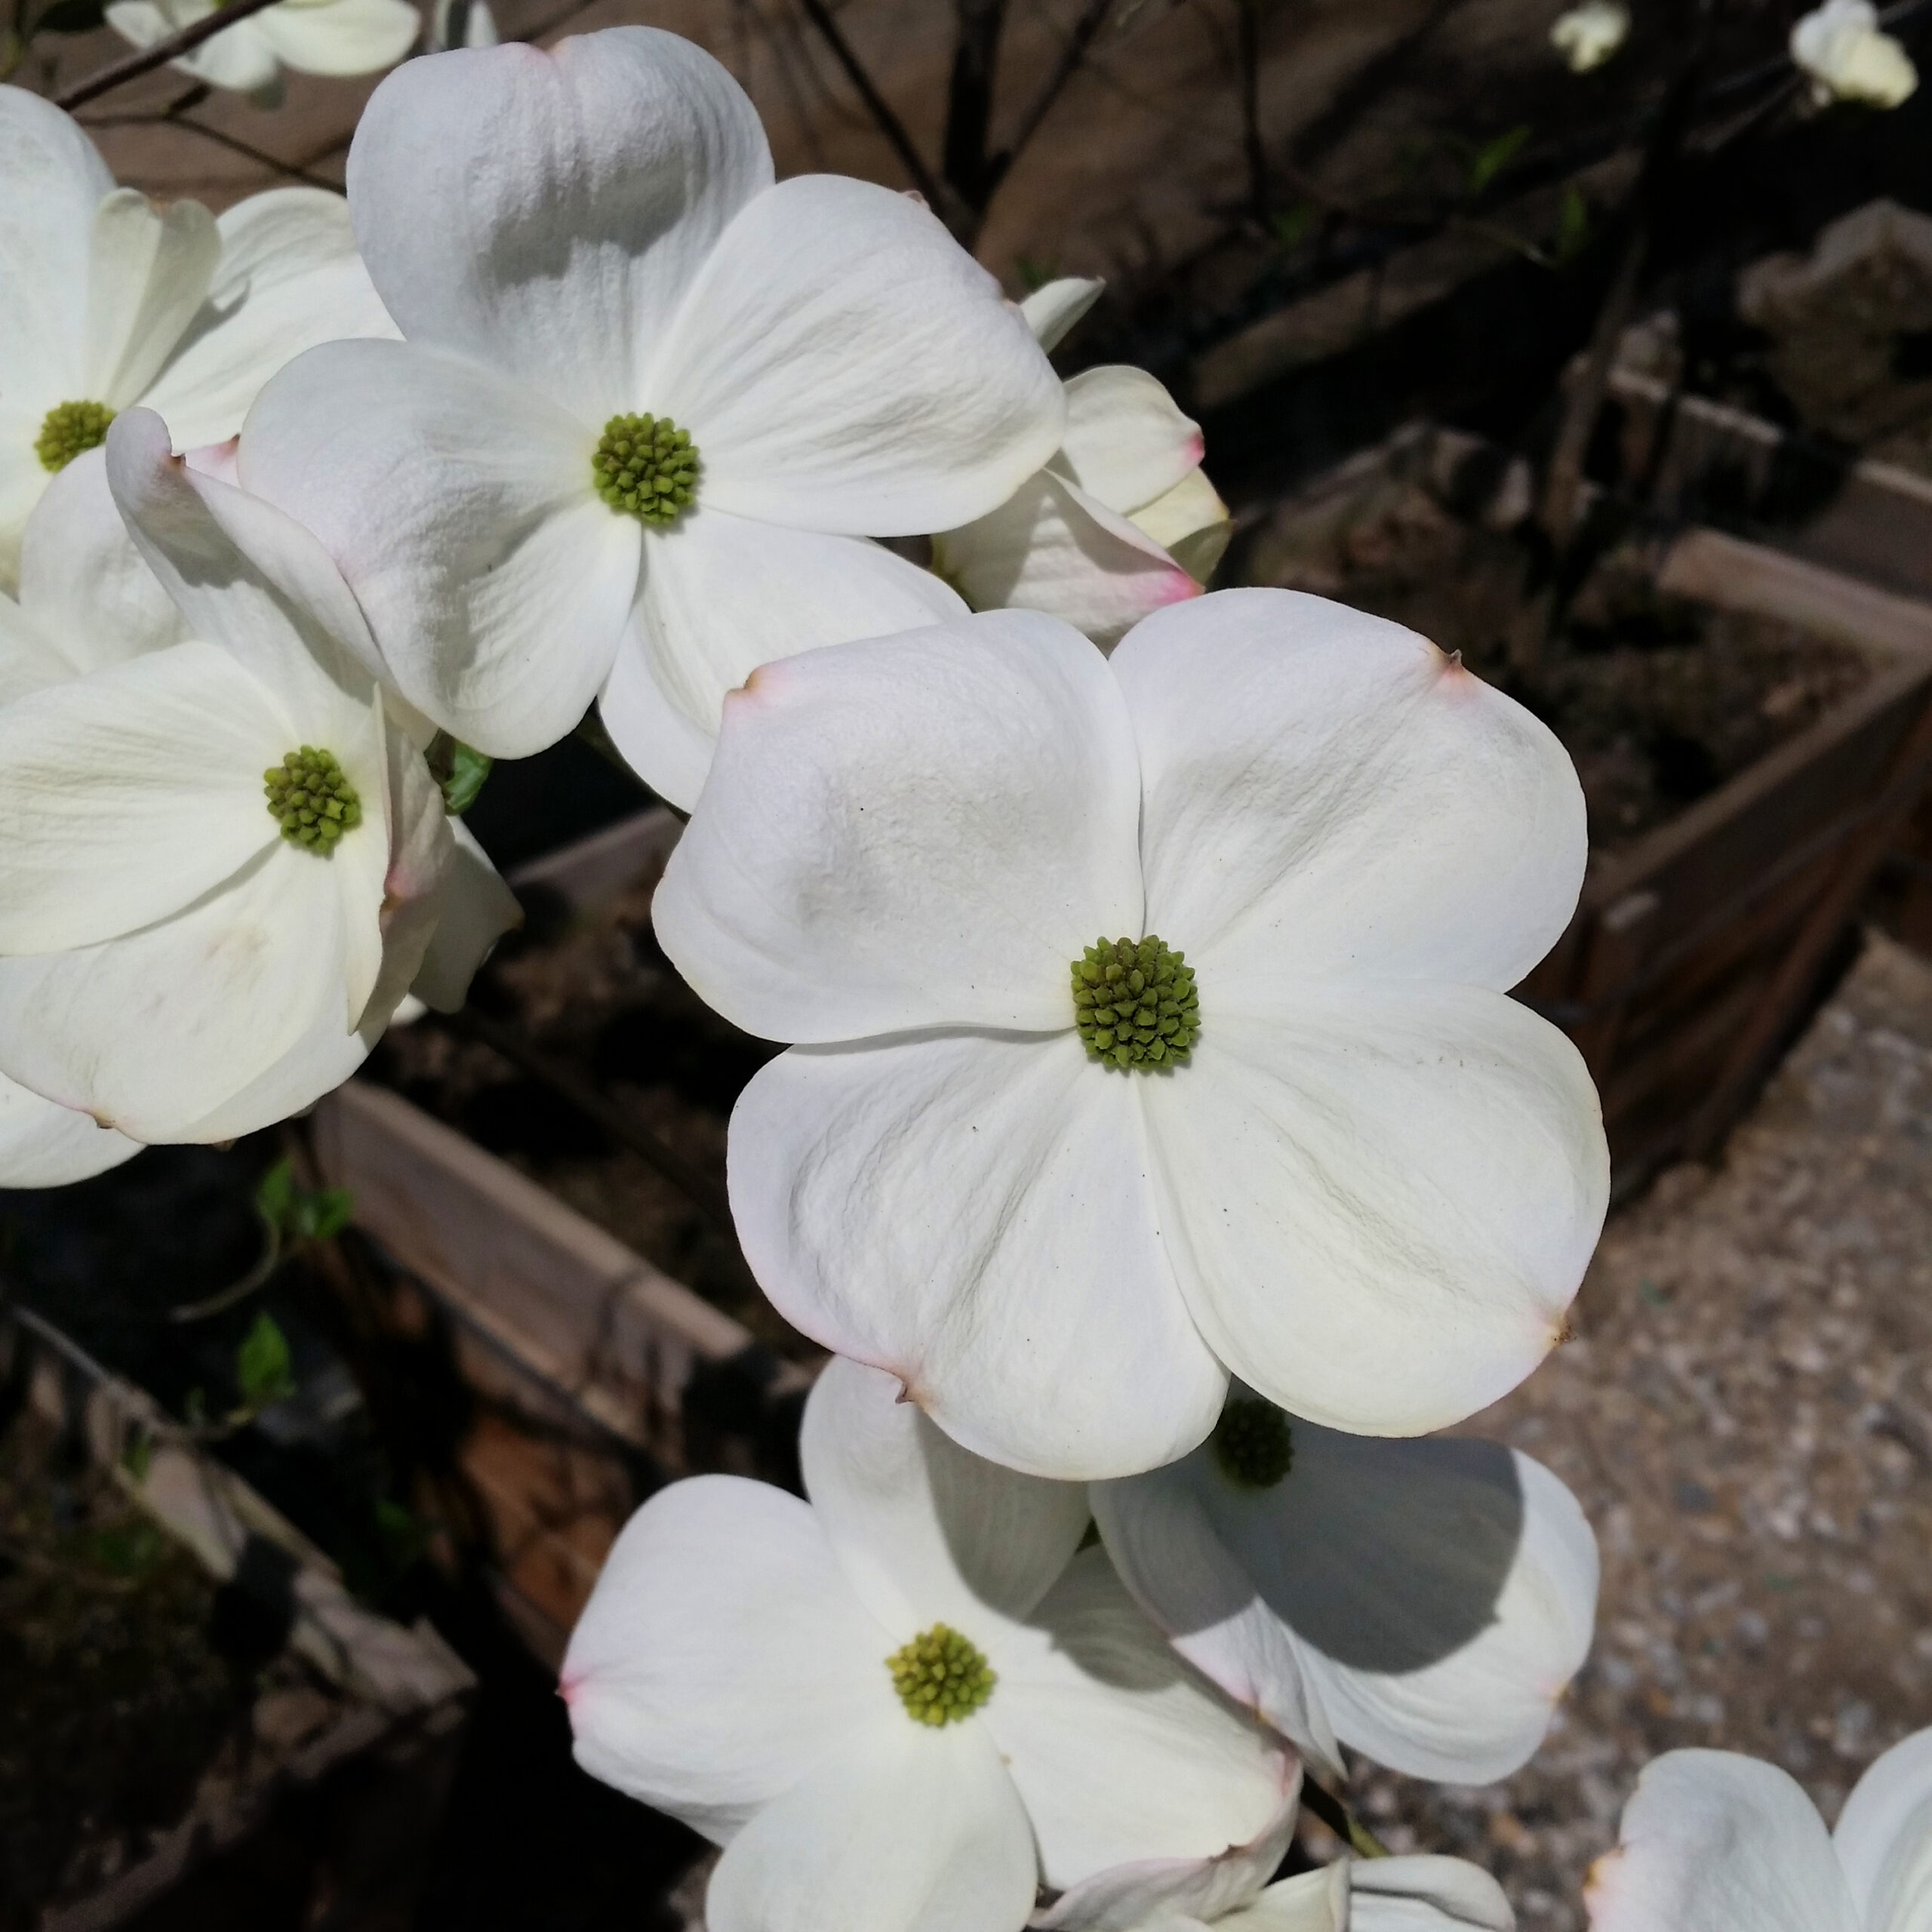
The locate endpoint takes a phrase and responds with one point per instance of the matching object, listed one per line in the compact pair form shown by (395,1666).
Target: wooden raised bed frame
(398,1740)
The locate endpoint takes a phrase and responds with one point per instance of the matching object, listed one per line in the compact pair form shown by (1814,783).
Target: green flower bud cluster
(646,467)
(70,429)
(1253,1443)
(1136,1004)
(311,798)
(940,1676)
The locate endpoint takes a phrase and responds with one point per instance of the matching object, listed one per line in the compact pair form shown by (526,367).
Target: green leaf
(1490,160)
(274,1195)
(137,1453)
(1291,225)
(262,1365)
(468,767)
(71,16)
(1573,225)
(1036,274)
(324,1214)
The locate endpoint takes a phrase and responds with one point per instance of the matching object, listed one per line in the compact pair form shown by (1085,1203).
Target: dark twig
(144,62)
(969,111)
(293,171)
(877,106)
(1093,18)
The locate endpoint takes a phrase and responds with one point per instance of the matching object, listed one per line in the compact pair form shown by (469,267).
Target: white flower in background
(336,38)
(1588,35)
(1840,47)
(1424,1602)
(1711,1841)
(462,23)
(906,1702)
(1420,1893)
(107,301)
(1119,523)
(221,866)
(650,404)
(1368,1187)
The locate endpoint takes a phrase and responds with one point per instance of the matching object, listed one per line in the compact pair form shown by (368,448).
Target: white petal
(1050,547)
(1713,1842)
(1190,523)
(1423,1894)
(1155,1892)
(1883,1839)
(1119,1750)
(42,1145)
(921,830)
(152,1032)
(971,1212)
(925,1531)
(459,507)
(842,364)
(907,1829)
(1052,310)
(1379,1203)
(29,659)
(341,37)
(722,595)
(1127,442)
(289,277)
(83,578)
(149,272)
(237,57)
(1430,1600)
(474,909)
(126,795)
(1326,792)
(592,178)
(722,1655)
(54,181)
(1317,1901)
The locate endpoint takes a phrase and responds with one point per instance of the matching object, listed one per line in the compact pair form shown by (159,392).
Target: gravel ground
(1746,1416)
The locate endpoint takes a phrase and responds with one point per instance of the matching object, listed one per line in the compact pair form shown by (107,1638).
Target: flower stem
(1341,1820)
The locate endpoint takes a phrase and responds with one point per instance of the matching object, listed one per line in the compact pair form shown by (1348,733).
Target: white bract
(763,1668)
(1370,1188)
(1426,1602)
(186,953)
(1119,523)
(1714,1842)
(338,37)
(837,367)
(1840,49)
(107,300)
(1586,36)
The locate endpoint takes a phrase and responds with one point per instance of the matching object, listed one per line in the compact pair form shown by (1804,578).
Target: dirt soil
(1659,701)
(1746,1418)
(120,1708)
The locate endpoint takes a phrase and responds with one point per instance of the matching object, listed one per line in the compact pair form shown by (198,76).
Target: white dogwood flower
(1588,35)
(1840,47)
(107,300)
(1426,1602)
(1420,1893)
(1154,1020)
(1711,1841)
(650,404)
(221,866)
(43,1145)
(1121,521)
(336,38)
(907,1703)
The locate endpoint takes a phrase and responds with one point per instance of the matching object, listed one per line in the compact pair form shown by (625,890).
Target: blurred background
(1619,381)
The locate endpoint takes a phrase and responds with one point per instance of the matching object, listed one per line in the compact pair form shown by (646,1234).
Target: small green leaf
(404,1536)
(262,1365)
(324,1214)
(468,767)
(1291,225)
(274,1195)
(195,1408)
(137,1453)
(1490,160)
(1036,274)
(1573,226)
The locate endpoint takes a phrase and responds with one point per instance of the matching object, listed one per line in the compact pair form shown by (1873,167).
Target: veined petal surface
(1127,441)
(1883,1839)
(42,1145)
(542,211)
(149,272)
(340,37)
(918,831)
(971,1212)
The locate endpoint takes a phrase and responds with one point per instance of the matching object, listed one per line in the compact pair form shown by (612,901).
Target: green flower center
(940,1676)
(1253,1443)
(311,798)
(70,429)
(646,467)
(1135,1003)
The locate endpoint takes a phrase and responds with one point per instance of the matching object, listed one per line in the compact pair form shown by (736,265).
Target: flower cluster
(1156,1148)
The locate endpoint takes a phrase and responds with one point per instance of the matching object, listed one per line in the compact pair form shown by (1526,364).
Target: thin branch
(260,156)
(964,161)
(888,123)
(1340,1820)
(1086,30)
(144,62)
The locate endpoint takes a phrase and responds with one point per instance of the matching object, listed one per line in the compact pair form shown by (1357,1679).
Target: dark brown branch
(144,62)
(293,171)
(877,106)
(965,160)
(1093,18)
